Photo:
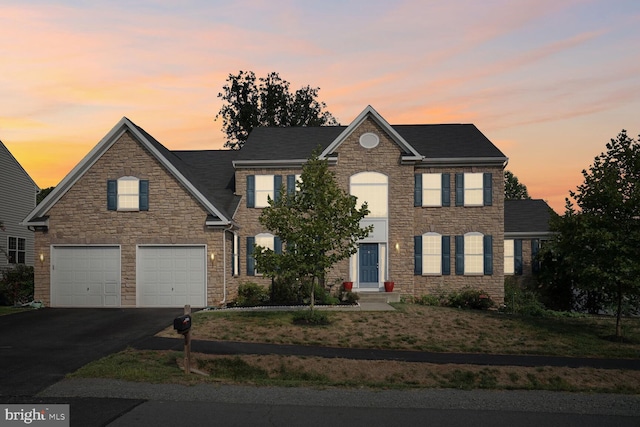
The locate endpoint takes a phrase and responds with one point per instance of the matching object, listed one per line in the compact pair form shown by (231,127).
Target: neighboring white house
(17,199)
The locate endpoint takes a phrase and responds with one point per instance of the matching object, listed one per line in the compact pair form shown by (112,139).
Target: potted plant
(388,286)
(348,286)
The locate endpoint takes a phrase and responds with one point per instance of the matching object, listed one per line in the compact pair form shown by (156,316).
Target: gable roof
(180,169)
(527,218)
(11,158)
(426,145)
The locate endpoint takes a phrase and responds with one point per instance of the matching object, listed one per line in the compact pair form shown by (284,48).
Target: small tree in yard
(600,243)
(319,225)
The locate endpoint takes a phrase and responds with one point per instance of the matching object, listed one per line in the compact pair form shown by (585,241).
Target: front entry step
(385,297)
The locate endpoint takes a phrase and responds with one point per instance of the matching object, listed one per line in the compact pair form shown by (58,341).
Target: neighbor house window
(474,189)
(474,254)
(371,187)
(508,257)
(513,256)
(17,250)
(128,193)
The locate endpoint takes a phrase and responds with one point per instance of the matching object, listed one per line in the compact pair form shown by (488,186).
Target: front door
(368,265)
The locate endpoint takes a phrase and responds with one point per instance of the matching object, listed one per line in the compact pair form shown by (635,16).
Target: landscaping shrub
(286,291)
(16,285)
(251,294)
(521,301)
(428,300)
(311,317)
(470,298)
(347,297)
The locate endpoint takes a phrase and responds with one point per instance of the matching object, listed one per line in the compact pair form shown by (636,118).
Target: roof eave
(463,161)
(275,164)
(529,234)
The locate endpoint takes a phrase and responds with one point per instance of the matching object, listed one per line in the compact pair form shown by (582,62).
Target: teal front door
(368,265)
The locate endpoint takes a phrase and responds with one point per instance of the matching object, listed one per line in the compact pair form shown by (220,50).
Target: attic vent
(369,140)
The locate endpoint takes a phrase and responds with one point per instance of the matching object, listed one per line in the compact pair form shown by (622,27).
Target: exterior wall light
(42,258)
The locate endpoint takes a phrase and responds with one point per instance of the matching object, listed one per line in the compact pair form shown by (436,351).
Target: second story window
(128,193)
(474,189)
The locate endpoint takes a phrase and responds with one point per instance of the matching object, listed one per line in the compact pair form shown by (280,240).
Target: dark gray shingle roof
(527,216)
(432,141)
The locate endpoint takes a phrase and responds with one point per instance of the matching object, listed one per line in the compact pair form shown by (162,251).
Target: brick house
(137,225)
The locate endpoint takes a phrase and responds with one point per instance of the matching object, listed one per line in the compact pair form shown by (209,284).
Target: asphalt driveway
(38,348)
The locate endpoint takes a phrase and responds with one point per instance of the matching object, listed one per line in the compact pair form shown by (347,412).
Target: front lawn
(411,327)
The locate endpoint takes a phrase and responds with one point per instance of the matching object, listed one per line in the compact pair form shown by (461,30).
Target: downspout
(224,264)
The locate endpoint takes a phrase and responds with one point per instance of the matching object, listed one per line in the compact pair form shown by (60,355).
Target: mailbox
(182,324)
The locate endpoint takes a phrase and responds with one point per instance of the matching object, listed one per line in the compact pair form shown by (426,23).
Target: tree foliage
(319,225)
(43,193)
(513,189)
(267,101)
(599,240)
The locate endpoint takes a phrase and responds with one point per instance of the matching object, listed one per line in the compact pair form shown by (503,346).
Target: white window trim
(121,193)
(264,187)
(475,190)
(268,242)
(236,256)
(509,257)
(371,179)
(431,188)
(469,255)
(17,251)
(427,256)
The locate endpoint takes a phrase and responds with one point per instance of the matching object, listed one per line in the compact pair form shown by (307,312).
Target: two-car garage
(166,276)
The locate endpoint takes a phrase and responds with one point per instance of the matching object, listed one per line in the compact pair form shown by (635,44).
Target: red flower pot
(388,286)
(347,286)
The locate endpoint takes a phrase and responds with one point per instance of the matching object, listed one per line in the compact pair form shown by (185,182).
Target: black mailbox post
(182,324)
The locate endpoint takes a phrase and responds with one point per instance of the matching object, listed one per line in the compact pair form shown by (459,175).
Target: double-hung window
(128,193)
(432,254)
(513,256)
(17,250)
(432,189)
(474,254)
(474,189)
(264,240)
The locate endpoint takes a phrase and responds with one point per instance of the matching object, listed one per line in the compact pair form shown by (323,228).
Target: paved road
(175,405)
(38,348)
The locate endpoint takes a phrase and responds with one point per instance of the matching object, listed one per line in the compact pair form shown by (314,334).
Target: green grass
(4,310)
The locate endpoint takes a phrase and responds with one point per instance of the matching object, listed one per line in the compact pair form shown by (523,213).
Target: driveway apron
(38,348)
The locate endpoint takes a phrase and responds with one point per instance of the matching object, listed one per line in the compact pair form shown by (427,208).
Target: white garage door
(171,276)
(85,276)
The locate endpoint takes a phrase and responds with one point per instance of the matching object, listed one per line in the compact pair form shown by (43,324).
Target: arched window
(372,187)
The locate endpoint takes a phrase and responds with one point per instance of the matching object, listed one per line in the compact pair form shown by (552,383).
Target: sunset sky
(550,82)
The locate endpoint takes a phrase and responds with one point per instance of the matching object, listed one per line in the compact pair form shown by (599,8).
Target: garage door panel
(85,276)
(171,276)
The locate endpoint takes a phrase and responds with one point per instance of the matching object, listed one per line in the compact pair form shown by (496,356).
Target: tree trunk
(313,289)
(619,314)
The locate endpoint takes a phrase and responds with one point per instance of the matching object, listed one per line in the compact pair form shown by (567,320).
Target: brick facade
(404,220)
(174,217)
(177,217)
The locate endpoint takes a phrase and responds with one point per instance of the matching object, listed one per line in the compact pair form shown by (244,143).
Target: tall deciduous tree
(513,189)
(599,241)
(319,225)
(267,101)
